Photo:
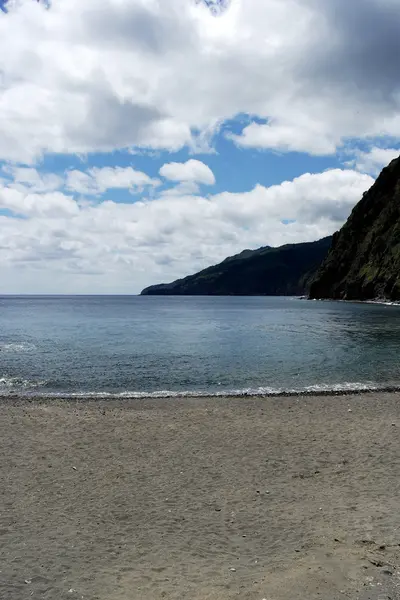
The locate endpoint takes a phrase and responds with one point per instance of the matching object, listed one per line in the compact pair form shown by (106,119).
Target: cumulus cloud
(65,246)
(29,179)
(48,205)
(86,76)
(191,171)
(99,180)
(373,160)
(285,136)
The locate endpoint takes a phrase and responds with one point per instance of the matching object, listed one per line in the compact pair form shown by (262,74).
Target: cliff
(364,260)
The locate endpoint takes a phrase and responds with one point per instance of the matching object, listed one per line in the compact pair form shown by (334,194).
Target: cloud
(285,136)
(29,179)
(217,7)
(64,246)
(186,188)
(48,205)
(192,171)
(83,77)
(373,160)
(99,180)
(82,183)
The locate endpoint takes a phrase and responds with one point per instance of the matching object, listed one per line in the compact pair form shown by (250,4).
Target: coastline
(230,498)
(379,301)
(264,393)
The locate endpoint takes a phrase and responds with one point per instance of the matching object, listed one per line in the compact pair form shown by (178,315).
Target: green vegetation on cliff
(364,261)
(286,270)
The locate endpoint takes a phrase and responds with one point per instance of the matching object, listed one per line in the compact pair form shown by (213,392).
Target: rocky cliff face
(267,271)
(364,260)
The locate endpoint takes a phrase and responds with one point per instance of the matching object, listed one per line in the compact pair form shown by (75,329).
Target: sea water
(164,346)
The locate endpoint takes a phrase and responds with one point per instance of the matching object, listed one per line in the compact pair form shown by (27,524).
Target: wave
(18,384)
(17,347)
(18,387)
(383,302)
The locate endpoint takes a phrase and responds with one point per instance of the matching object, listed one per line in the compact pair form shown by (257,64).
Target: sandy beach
(207,499)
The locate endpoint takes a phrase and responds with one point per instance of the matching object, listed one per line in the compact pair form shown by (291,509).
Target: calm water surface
(167,345)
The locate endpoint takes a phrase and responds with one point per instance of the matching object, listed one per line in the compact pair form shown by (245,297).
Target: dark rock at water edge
(284,271)
(364,260)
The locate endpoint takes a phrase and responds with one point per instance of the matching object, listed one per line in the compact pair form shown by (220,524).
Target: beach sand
(204,499)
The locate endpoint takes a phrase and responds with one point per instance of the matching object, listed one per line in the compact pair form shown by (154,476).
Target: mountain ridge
(267,271)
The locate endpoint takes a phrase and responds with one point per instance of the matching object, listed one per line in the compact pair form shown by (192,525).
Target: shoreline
(85,397)
(378,301)
(241,499)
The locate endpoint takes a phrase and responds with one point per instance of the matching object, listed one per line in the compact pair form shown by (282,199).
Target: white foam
(383,302)
(17,384)
(342,387)
(17,347)
(324,389)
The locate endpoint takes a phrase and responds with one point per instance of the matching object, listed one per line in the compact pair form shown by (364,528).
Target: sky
(143,140)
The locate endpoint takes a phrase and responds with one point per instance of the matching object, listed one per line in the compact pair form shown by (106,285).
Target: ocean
(133,346)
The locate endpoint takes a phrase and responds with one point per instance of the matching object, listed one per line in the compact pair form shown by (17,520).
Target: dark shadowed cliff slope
(286,270)
(364,261)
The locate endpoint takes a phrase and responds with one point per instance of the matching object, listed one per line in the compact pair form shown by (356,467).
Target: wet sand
(207,499)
